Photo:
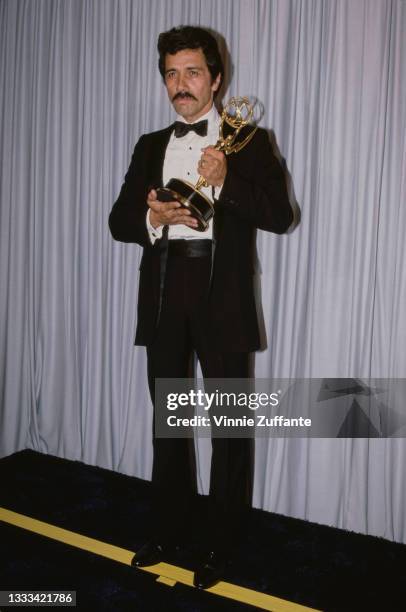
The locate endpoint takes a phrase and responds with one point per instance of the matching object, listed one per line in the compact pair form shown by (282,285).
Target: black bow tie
(181,128)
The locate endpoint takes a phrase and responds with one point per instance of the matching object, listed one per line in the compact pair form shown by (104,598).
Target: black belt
(189,248)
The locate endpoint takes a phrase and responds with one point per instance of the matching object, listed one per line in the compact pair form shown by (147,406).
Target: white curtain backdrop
(79,84)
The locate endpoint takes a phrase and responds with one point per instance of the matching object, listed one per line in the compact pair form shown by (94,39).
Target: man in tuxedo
(196,291)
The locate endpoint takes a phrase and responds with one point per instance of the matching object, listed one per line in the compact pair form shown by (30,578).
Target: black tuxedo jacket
(254,195)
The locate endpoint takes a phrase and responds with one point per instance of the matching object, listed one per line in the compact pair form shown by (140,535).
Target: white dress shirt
(181,158)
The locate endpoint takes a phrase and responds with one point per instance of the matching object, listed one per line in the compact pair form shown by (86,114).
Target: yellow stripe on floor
(167,574)
(166,580)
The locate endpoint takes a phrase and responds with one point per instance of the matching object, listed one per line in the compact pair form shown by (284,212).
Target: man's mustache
(183,94)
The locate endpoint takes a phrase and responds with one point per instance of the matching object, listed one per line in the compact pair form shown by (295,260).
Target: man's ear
(216,83)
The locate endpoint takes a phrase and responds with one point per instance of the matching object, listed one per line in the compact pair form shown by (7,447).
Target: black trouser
(182,330)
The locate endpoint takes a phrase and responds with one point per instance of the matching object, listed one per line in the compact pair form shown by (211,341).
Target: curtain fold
(79,84)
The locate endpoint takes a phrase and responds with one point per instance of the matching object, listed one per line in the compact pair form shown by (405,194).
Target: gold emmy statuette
(237,113)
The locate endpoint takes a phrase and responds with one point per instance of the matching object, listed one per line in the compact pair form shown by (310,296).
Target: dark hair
(191,37)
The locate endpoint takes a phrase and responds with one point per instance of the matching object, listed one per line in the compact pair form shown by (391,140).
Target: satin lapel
(158,157)
(217,229)
(217,224)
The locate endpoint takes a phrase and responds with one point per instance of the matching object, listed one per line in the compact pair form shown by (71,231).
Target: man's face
(188,83)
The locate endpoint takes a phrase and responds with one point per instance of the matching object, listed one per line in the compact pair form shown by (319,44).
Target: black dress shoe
(210,571)
(149,554)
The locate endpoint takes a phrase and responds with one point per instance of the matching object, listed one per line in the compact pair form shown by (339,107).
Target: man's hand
(168,213)
(213,166)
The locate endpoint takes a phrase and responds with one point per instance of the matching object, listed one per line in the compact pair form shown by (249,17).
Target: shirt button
(190,148)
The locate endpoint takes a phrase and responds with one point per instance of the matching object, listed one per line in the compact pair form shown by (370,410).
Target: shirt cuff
(153,232)
(217,191)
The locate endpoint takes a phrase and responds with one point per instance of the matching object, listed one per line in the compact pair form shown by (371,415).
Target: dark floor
(321,567)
